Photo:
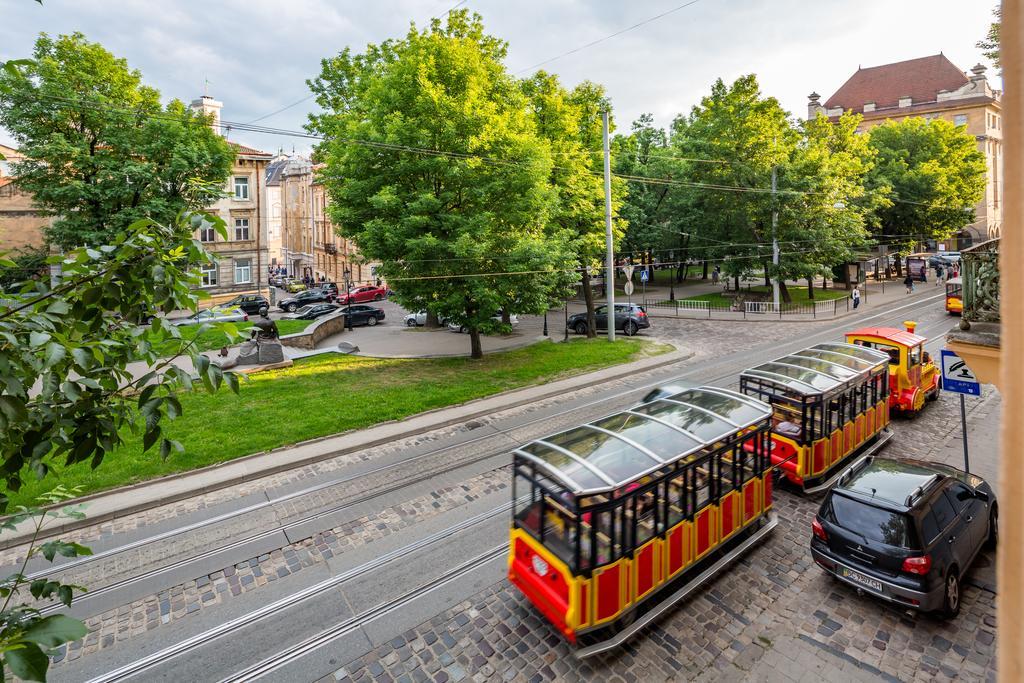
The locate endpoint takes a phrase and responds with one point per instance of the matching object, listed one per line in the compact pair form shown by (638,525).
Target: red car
(359,295)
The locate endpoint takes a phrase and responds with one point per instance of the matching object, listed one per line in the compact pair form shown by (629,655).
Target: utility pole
(775,240)
(609,278)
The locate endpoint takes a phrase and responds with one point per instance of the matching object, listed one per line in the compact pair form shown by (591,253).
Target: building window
(207,234)
(241,229)
(241,187)
(209,272)
(243,271)
(960,120)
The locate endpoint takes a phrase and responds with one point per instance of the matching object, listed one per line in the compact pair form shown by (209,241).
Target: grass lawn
(215,339)
(798,295)
(329,394)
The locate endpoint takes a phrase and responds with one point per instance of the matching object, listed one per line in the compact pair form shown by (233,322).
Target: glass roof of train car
(608,453)
(820,369)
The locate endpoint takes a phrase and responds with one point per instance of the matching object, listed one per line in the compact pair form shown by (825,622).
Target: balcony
(331,248)
(976,338)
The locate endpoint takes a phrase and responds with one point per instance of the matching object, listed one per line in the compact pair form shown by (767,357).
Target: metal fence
(747,310)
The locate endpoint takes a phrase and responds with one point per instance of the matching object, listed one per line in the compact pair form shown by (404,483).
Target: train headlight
(540,567)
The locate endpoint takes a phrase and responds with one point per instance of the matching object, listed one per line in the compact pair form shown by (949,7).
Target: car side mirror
(982,496)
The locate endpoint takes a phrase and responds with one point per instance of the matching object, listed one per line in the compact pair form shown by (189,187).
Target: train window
(605,549)
(646,517)
(787,422)
(835,413)
(703,483)
(915,355)
(527,506)
(559,529)
(677,498)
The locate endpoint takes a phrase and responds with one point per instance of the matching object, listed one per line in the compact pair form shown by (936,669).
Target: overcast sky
(257,54)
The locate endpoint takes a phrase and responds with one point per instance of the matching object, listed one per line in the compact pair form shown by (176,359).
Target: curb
(175,487)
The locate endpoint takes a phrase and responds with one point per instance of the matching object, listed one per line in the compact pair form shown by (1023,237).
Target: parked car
(905,531)
(295,286)
(419,319)
(309,296)
(630,318)
(456,327)
(278,280)
(250,303)
(312,312)
(360,295)
(213,315)
(363,315)
(330,287)
(944,258)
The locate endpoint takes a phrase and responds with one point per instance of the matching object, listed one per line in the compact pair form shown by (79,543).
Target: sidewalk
(115,503)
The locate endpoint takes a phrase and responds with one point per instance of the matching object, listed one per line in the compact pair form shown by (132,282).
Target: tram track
(199,640)
(500,434)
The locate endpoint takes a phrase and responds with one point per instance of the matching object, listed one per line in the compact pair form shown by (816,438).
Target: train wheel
(917,401)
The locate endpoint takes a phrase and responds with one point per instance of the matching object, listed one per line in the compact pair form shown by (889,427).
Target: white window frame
(243,185)
(243,266)
(207,234)
(209,274)
(960,119)
(242,228)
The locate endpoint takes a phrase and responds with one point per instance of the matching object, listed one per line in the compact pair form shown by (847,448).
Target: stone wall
(316,333)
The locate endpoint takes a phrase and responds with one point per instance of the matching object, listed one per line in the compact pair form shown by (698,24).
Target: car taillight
(818,530)
(918,565)
(245,318)
(641,314)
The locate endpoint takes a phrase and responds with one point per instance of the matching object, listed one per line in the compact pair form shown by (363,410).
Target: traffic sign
(628,288)
(628,270)
(644,275)
(957,377)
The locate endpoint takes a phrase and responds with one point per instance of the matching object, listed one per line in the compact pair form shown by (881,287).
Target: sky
(255,55)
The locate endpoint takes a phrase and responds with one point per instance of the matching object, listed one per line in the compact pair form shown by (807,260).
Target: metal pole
(545,323)
(963,428)
(610,256)
(775,241)
(566,337)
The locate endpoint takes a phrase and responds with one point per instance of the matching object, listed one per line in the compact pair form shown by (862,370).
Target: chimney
(814,106)
(979,73)
(209,106)
(911,325)
(905,101)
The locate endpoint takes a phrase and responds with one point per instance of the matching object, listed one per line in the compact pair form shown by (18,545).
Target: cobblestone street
(774,616)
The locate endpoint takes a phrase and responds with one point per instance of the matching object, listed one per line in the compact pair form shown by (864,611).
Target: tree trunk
(767,280)
(899,267)
(506,317)
(431,322)
(704,276)
(784,295)
(476,350)
(824,281)
(588,297)
(810,287)
(736,281)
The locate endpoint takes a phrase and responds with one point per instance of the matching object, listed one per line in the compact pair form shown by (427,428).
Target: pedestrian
(909,282)
(715,275)
(855,295)
(938,275)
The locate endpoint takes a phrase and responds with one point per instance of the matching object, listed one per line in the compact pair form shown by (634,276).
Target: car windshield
(306,309)
(874,523)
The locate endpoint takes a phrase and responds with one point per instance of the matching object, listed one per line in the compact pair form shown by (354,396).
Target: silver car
(210,315)
(419,319)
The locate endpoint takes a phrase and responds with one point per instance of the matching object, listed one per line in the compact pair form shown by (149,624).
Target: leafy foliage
(67,351)
(442,224)
(26,636)
(934,175)
(990,44)
(101,151)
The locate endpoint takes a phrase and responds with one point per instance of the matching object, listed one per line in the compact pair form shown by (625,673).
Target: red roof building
(932,88)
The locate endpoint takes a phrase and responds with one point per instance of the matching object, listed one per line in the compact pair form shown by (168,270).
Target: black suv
(629,318)
(308,296)
(250,303)
(905,531)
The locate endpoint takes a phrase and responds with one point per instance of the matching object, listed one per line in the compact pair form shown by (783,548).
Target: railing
(754,310)
(980,273)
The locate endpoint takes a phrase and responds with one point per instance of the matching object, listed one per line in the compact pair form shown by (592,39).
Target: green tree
(990,44)
(442,222)
(570,122)
(934,175)
(725,206)
(101,152)
(824,203)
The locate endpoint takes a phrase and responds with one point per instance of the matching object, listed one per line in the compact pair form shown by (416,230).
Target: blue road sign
(957,377)
(643,275)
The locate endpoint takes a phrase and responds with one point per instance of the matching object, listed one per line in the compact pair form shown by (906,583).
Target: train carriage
(955,296)
(830,404)
(616,520)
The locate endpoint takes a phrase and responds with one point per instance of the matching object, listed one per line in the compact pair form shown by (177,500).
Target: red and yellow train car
(620,518)
(913,377)
(830,404)
(955,296)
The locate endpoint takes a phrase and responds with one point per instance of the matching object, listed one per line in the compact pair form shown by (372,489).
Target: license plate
(861,579)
